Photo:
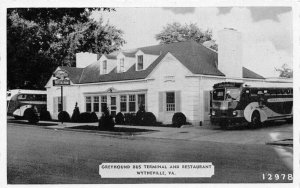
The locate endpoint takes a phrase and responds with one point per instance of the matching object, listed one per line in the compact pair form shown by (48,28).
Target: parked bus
(237,103)
(19,100)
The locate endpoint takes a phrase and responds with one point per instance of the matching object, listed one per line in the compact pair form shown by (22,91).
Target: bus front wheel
(255,120)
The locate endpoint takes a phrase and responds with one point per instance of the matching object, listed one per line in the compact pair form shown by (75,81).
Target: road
(46,156)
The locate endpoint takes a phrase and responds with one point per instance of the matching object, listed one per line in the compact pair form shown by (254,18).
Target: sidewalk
(187,133)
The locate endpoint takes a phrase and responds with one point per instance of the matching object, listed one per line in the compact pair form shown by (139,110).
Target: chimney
(84,59)
(230,53)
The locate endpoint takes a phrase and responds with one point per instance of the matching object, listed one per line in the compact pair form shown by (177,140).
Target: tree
(40,39)
(285,71)
(176,32)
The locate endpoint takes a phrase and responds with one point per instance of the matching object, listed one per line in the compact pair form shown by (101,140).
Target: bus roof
(11,93)
(27,91)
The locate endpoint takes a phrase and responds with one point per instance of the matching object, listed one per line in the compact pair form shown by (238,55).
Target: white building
(165,78)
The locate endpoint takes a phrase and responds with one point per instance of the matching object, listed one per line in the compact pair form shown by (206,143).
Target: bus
(240,103)
(18,100)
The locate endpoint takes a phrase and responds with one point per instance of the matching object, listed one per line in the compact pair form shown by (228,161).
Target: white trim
(111,82)
(212,76)
(118,91)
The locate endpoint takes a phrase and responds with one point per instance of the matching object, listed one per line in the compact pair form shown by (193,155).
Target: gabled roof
(91,73)
(74,73)
(195,57)
(250,74)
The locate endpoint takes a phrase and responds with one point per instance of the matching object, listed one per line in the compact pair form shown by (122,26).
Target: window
(122,65)
(22,97)
(131,103)
(103,103)
(104,67)
(170,101)
(140,62)
(141,100)
(59,105)
(218,94)
(123,103)
(88,104)
(233,94)
(41,97)
(96,104)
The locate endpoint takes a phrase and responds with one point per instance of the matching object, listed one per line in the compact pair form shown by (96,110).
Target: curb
(285,142)
(108,132)
(55,127)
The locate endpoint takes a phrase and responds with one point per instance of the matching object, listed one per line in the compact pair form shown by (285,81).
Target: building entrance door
(113,106)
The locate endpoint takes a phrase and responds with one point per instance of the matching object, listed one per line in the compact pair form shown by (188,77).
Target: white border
(150,3)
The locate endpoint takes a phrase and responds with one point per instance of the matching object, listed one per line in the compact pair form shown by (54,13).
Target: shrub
(45,115)
(140,115)
(178,119)
(84,117)
(94,117)
(120,118)
(130,118)
(76,113)
(149,119)
(31,115)
(64,116)
(106,121)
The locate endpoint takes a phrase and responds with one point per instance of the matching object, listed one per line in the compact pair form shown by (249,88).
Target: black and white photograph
(139,94)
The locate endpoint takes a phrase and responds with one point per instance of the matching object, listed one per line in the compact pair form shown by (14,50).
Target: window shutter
(55,103)
(206,100)
(160,101)
(177,101)
(65,103)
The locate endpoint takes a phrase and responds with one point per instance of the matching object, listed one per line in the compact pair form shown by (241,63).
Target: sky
(266,31)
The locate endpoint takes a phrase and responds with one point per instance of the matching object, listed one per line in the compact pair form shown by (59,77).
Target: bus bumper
(226,120)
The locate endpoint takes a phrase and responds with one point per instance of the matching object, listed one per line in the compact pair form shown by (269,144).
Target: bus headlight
(234,113)
(213,113)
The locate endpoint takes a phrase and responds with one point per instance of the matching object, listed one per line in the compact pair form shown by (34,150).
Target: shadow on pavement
(245,126)
(115,130)
(27,123)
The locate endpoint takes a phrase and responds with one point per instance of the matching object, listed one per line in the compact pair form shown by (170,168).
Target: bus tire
(255,120)
(31,115)
(18,117)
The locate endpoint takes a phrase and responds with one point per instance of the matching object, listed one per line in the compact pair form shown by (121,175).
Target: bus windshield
(218,94)
(233,94)
(228,94)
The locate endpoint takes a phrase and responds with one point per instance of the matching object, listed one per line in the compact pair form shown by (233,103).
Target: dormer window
(104,66)
(122,65)
(140,63)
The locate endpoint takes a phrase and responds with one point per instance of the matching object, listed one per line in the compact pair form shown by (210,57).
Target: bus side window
(30,97)
(21,97)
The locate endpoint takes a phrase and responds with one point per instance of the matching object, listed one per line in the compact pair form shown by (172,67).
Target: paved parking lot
(270,132)
(40,154)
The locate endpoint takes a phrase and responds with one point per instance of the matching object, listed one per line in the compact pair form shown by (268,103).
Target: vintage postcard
(146,93)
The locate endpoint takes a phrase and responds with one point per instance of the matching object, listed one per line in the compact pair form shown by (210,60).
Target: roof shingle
(195,57)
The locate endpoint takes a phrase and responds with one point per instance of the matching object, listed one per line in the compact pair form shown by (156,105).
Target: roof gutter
(111,82)
(212,76)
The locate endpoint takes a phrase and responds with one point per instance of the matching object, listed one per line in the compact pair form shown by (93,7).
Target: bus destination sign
(59,82)
(227,84)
